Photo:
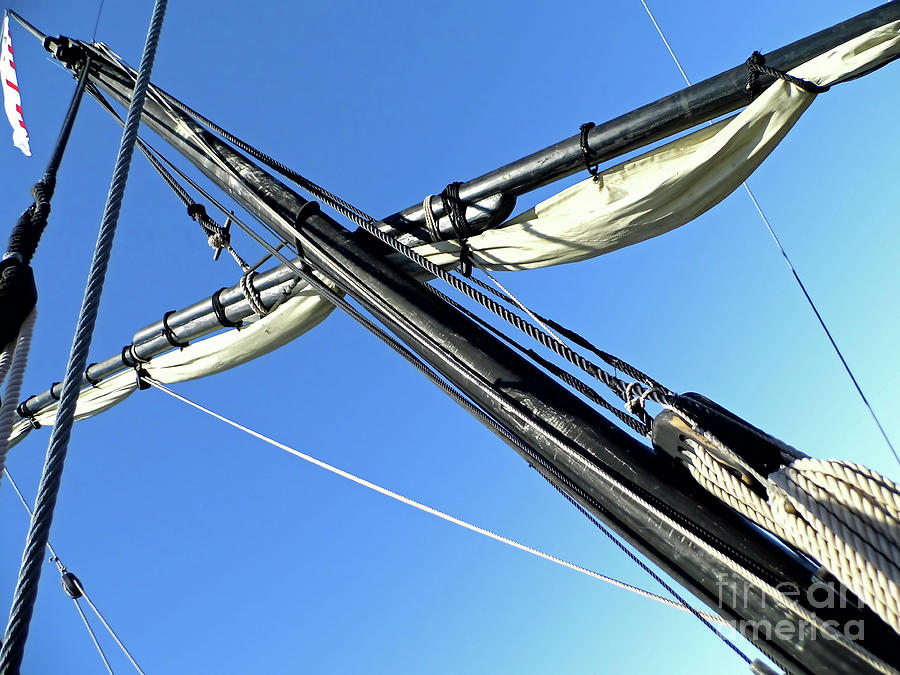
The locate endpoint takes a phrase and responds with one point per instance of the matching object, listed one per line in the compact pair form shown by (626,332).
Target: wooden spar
(639,493)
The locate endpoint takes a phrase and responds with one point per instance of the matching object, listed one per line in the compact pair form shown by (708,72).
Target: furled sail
(633,201)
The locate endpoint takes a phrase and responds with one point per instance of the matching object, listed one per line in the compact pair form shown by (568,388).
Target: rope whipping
(29,574)
(429,509)
(756,65)
(54,557)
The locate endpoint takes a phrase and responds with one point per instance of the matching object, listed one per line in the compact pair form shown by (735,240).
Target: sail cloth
(296,315)
(12,102)
(633,201)
(669,186)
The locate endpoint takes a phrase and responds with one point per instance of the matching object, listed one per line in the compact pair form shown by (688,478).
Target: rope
(13,363)
(93,637)
(84,594)
(842,514)
(452,203)
(431,510)
(535,457)
(456,214)
(253,297)
(756,65)
(592,167)
(30,571)
(781,249)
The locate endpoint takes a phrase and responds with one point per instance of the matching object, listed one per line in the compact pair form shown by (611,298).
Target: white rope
(842,514)
(12,366)
(431,510)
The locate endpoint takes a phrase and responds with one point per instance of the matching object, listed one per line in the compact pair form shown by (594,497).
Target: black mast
(651,502)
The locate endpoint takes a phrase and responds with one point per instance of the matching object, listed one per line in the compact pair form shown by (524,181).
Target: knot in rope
(456,214)
(217,240)
(253,297)
(756,66)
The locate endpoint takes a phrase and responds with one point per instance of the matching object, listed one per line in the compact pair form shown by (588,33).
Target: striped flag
(12,102)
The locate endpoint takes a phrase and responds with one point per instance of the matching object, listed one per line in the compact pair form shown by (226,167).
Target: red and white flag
(12,102)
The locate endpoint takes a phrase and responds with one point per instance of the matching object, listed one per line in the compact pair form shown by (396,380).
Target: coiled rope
(840,513)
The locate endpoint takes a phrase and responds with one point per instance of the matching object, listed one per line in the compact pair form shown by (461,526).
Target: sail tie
(756,66)
(455,209)
(592,167)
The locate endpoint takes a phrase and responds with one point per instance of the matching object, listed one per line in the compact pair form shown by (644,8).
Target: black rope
(756,66)
(219,311)
(592,167)
(169,334)
(456,214)
(94,382)
(18,292)
(26,414)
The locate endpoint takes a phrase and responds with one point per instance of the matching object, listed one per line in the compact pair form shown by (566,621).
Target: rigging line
(97,21)
(369,224)
(84,593)
(39,530)
(428,509)
(495,426)
(473,409)
(790,265)
(93,637)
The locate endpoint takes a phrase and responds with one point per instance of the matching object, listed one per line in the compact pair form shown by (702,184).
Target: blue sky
(211,552)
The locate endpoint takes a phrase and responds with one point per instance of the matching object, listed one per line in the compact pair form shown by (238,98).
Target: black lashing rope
(219,310)
(456,214)
(18,293)
(169,334)
(756,66)
(592,167)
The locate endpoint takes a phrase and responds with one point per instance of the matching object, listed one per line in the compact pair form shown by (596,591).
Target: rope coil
(840,513)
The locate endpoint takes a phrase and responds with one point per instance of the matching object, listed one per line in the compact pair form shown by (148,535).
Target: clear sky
(210,552)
